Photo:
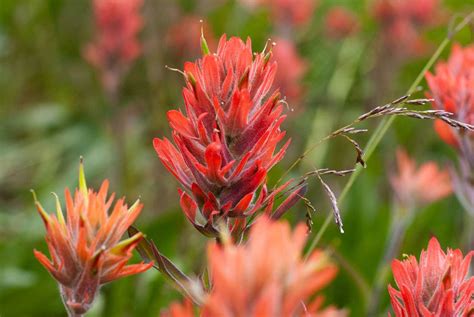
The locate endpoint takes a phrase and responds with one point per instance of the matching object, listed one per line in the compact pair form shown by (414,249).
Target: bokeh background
(53,109)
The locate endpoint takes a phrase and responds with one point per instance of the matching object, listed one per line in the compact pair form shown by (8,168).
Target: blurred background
(337,59)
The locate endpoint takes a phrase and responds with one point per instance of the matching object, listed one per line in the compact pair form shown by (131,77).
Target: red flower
(226,142)
(85,248)
(292,12)
(183,36)
(266,276)
(341,23)
(452,88)
(291,69)
(419,186)
(439,285)
(116,45)
(403,20)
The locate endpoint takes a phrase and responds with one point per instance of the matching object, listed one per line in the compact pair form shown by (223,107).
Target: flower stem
(469,234)
(338,90)
(117,122)
(356,276)
(385,125)
(400,222)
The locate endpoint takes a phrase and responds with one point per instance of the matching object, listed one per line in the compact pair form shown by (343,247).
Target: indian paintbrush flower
(115,46)
(85,247)
(402,22)
(227,138)
(341,22)
(452,88)
(438,285)
(266,276)
(414,186)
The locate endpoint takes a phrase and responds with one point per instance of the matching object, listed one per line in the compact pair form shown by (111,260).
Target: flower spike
(452,88)
(414,186)
(438,285)
(227,139)
(247,281)
(85,247)
(115,45)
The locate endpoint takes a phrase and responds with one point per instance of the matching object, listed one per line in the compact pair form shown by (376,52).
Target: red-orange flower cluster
(452,88)
(291,69)
(402,21)
(226,141)
(265,277)
(341,22)
(439,285)
(116,45)
(85,248)
(424,185)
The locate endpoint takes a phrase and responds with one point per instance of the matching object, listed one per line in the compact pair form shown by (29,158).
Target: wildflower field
(232,158)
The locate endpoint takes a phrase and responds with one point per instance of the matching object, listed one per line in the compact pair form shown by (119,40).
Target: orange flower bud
(85,247)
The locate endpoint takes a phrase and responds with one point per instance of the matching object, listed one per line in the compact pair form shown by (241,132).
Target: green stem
(349,55)
(356,276)
(385,125)
(338,90)
(469,232)
(400,221)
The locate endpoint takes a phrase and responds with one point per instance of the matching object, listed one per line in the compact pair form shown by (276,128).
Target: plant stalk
(400,221)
